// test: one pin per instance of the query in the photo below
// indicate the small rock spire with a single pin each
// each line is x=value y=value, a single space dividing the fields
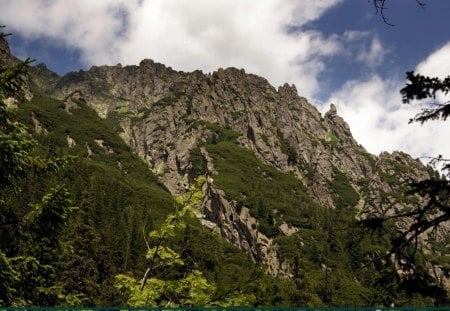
x=332 y=112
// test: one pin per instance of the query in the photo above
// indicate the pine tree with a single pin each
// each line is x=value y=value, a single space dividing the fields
x=27 y=274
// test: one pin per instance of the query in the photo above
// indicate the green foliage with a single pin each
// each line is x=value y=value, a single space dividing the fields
x=198 y=161
x=28 y=273
x=9 y=277
x=103 y=238
x=166 y=101
x=287 y=149
x=15 y=145
x=433 y=173
x=45 y=221
x=332 y=140
x=36 y=285
x=261 y=188
x=190 y=289
x=12 y=78
x=40 y=255
x=344 y=193
x=328 y=253
x=218 y=133
x=390 y=179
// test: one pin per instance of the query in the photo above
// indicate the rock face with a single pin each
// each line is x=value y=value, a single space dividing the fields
x=157 y=108
x=21 y=89
x=5 y=52
x=44 y=78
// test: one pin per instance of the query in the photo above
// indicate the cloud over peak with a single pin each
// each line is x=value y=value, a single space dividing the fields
x=186 y=35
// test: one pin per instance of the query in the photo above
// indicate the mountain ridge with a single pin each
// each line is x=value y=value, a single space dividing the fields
x=125 y=99
x=164 y=115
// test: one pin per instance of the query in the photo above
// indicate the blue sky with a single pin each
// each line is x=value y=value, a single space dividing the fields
x=416 y=33
x=336 y=51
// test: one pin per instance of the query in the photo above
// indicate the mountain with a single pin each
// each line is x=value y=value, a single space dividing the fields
x=287 y=187
x=179 y=122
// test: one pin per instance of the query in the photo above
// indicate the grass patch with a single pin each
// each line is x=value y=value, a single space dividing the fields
x=344 y=195
x=287 y=149
x=260 y=187
x=218 y=133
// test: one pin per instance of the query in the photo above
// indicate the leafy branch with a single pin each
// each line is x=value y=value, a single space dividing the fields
x=172 y=223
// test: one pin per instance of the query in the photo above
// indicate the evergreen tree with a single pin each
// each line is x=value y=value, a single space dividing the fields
x=27 y=275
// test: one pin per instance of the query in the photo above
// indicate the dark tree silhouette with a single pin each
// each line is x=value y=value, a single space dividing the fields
x=435 y=191
x=421 y=87
x=434 y=210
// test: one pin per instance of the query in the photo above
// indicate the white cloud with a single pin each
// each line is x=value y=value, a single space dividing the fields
x=374 y=54
x=379 y=121
x=354 y=35
x=437 y=64
x=186 y=35
x=206 y=34
x=91 y=26
x=365 y=47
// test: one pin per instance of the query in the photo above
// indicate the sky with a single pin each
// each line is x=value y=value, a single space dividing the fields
x=334 y=51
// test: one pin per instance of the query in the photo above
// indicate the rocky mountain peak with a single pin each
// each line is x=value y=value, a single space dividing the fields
x=166 y=115
x=288 y=91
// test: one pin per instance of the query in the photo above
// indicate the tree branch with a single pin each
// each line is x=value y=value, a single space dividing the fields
x=380 y=7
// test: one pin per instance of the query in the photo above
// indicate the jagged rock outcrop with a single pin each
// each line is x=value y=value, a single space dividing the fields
x=6 y=58
x=44 y=78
